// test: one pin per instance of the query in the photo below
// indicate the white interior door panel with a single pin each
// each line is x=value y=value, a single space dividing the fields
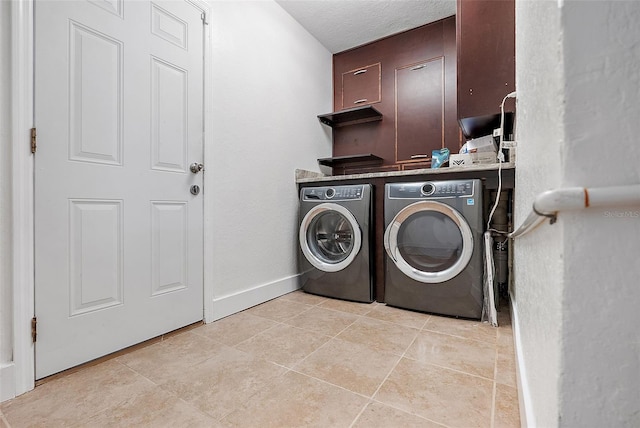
x=119 y=114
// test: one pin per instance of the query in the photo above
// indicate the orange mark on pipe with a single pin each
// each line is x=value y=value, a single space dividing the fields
x=586 y=198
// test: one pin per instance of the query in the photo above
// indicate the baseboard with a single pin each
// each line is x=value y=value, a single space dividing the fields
x=229 y=304
x=7 y=382
x=527 y=419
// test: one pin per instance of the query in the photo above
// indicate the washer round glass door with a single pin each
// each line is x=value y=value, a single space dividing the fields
x=429 y=241
x=330 y=237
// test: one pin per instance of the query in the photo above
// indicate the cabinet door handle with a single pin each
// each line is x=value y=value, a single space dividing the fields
x=419 y=156
x=364 y=100
x=418 y=67
x=364 y=70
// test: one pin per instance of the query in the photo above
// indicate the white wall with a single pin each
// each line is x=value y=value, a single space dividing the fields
x=271 y=80
x=576 y=294
x=6 y=296
x=600 y=379
x=538 y=256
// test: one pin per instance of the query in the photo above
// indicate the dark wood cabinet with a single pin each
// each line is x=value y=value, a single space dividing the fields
x=415 y=95
x=419 y=109
x=486 y=56
x=361 y=86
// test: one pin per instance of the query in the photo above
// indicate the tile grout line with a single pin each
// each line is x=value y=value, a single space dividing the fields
x=120 y=403
x=159 y=387
x=217 y=341
x=214 y=341
x=287 y=369
x=495 y=340
x=251 y=354
x=255 y=393
x=364 y=315
x=360 y=412
x=331 y=384
x=493 y=405
x=138 y=373
x=344 y=312
x=495 y=382
x=393 y=323
x=397 y=323
x=389 y=374
x=324 y=344
x=171 y=393
x=395 y=365
x=292 y=368
x=436 y=365
x=358 y=316
x=368 y=400
x=450 y=368
x=331 y=337
x=277 y=322
x=425 y=322
x=373 y=400
x=234 y=346
x=282 y=323
x=308 y=307
x=4 y=419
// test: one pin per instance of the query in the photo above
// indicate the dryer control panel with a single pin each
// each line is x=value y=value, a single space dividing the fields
x=335 y=193
x=431 y=189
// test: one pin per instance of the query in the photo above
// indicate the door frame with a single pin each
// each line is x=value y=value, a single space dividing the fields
x=22 y=374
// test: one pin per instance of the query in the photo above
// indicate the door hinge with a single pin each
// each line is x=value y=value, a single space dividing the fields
x=33 y=140
x=34 y=329
x=203 y=16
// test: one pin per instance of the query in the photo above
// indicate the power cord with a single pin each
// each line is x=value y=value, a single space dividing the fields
x=489 y=305
x=500 y=161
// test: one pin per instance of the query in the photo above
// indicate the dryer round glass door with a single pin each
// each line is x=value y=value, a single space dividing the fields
x=429 y=241
x=330 y=237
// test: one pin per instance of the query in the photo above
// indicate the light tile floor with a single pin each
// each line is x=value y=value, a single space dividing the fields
x=296 y=361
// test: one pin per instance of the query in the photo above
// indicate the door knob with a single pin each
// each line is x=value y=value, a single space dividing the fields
x=196 y=167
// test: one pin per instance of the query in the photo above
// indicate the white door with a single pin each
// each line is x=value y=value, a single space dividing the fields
x=119 y=116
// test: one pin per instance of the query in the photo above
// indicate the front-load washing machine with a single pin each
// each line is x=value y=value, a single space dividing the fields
x=433 y=244
x=335 y=237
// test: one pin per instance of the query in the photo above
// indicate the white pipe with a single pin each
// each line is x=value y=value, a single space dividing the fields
x=532 y=221
x=547 y=204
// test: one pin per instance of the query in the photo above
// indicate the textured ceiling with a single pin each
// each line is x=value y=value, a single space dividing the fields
x=343 y=24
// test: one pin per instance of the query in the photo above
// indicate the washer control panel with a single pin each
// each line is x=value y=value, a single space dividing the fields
x=333 y=193
x=431 y=189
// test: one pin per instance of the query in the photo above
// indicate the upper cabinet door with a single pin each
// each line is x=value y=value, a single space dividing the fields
x=361 y=86
x=486 y=56
x=419 y=109
x=416 y=105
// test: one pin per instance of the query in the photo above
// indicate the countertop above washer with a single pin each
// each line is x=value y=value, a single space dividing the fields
x=304 y=176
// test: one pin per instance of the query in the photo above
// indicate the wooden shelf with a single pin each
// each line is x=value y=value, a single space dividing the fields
x=351 y=116
x=341 y=161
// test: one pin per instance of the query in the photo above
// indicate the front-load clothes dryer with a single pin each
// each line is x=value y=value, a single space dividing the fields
x=335 y=239
x=433 y=245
